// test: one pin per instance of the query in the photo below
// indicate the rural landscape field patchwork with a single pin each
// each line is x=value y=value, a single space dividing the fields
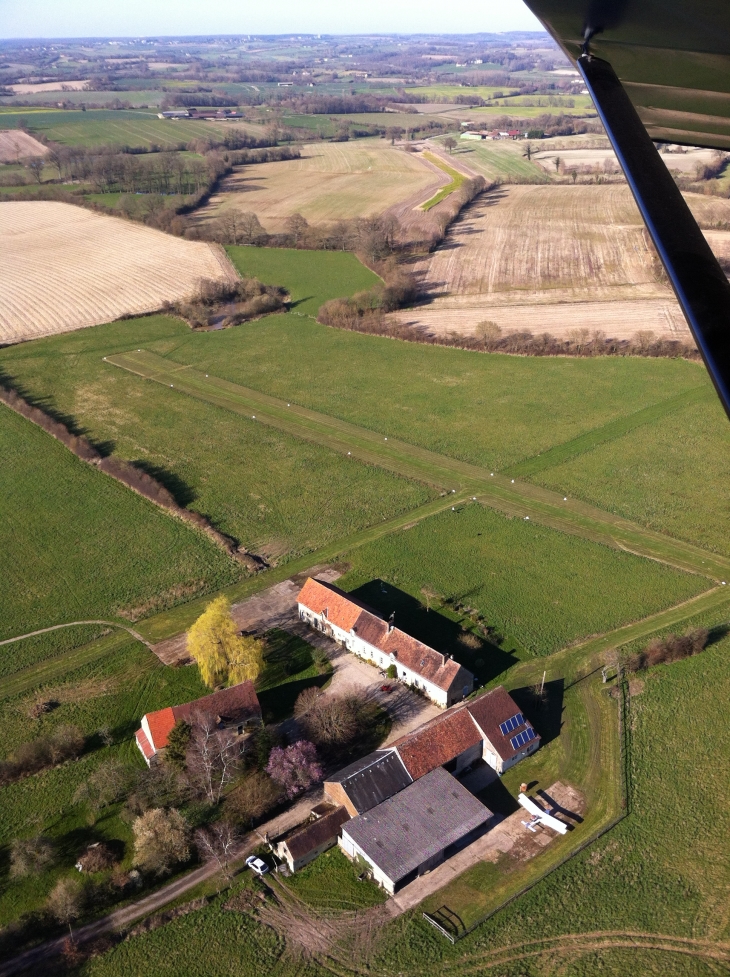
x=381 y=313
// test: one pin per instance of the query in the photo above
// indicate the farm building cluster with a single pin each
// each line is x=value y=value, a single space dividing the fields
x=403 y=809
x=406 y=807
x=363 y=631
x=491 y=134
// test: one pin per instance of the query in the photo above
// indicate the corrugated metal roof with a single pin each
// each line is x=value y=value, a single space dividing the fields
x=418 y=823
x=371 y=780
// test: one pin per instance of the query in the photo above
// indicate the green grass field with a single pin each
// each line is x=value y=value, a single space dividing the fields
x=310 y=277
x=77 y=545
x=665 y=475
x=543 y=589
x=502 y=160
x=274 y=493
x=97 y=127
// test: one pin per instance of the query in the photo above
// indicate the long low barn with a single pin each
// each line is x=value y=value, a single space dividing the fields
x=361 y=630
x=415 y=830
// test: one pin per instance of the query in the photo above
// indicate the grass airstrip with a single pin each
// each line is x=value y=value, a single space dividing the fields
x=523 y=587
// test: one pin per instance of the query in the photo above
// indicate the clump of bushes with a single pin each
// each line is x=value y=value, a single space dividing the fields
x=672 y=648
x=229 y=303
x=364 y=311
x=64 y=743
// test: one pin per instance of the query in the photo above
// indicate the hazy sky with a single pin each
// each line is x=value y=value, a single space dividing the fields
x=94 y=18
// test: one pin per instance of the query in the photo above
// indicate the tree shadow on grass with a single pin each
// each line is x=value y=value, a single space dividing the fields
x=183 y=493
x=545 y=711
x=278 y=703
x=307 y=298
x=482 y=657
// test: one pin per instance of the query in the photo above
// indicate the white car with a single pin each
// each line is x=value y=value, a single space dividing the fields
x=257 y=865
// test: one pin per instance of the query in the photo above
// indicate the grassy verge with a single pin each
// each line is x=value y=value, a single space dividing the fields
x=457 y=179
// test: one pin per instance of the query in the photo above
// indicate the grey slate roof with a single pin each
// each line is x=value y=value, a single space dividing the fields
x=411 y=827
x=373 y=779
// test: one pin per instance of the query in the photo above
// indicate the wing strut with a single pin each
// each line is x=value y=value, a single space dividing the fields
x=699 y=282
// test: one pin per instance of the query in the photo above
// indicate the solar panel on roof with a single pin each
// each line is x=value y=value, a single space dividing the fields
x=521 y=738
x=512 y=723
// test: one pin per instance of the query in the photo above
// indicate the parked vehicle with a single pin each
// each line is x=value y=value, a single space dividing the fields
x=386 y=688
x=257 y=865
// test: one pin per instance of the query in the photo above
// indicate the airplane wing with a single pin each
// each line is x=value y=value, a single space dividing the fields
x=547 y=819
x=660 y=70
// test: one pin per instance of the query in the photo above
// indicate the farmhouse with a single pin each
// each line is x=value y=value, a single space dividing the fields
x=415 y=830
x=362 y=630
x=304 y=844
x=489 y=729
x=236 y=709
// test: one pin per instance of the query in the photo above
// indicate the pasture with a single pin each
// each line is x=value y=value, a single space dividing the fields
x=332 y=181
x=109 y=127
x=66 y=268
x=310 y=277
x=275 y=494
x=501 y=161
x=501 y=567
x=78 y=545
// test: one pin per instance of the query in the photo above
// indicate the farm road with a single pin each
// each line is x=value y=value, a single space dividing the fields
x=73 y=624
x=39 y=956
x=498 y=490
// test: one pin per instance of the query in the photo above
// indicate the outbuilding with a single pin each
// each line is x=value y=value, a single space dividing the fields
x=415 y=830
x=304 y=844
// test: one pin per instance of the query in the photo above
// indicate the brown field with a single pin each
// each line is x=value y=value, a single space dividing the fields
x=50 y=86
x=65 y=268
x=332 y=181
x=682 y=162
x=16 y=145
x=554 y=258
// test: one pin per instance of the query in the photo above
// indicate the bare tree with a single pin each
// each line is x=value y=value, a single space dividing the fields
x=254 y=798
x=214 y=756
x=218 y=843
x=64 y=902
x=250 y=227
x=487 y=332
x=557 y=163
x=330 y=719
x=29 y=856
x=35 y=164
x=450 y=144
x=161 y=840
x=297 y=226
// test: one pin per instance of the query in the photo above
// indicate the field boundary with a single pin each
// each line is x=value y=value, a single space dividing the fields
x=561 y=453
x=457 y=179
x=495 y=489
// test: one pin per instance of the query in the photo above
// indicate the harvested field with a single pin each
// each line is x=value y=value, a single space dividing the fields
x=50 y=86
x=685 y=163
x=66 y=268
x=555 y=258
x=332 y=181
x=16 y=145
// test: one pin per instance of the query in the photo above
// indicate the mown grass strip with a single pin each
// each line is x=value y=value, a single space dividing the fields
x=169 y=623
x=457 y=179
x=494 y=489
x=59 y=666
x=609 y=432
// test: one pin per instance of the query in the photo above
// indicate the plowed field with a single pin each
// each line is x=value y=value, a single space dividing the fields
x=16 y=144
x=65 y=267
x=554 y=258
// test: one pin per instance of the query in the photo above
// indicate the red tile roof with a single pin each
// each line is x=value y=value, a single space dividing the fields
x=347 y=613
x=341 y=609
x=437 y=742
x=144 y=744
x=239 y=704
x=160 y=724
x=491 y=709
